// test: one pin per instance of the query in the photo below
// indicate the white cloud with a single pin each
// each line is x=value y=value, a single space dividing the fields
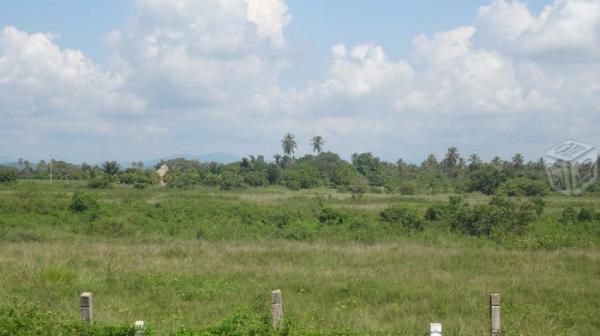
x=199 y=54
x=39 y=78
x=568 y=30
x=184 y=70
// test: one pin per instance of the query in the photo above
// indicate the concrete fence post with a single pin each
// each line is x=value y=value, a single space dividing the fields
x=139 y=328
x=277 y=309
x=86 y=307
x=435 y=329
x=496 y=328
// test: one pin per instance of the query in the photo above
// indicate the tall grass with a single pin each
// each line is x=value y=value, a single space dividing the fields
x=203 y=262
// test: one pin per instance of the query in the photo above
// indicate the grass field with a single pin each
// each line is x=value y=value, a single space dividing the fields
x=192 y=258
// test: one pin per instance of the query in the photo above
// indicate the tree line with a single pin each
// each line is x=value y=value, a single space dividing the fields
x=364 y=172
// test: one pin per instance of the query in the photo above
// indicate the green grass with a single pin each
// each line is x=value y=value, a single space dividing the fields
x=194 y=258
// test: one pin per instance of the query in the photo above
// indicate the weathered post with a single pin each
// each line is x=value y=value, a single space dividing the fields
x=435 y=329
x=85 y=307
x=496 y=329
x=139 y=328
x=277 y=309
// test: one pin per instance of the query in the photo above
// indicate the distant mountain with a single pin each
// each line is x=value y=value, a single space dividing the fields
x=211 y=157
x=8 y=162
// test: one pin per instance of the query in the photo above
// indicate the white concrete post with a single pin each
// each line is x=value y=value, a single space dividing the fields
x=85 y=307
x=139 y=328
x=496 y=329
x=435 y=329
x=277 y=308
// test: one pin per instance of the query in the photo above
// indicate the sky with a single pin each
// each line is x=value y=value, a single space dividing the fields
x=145 y=79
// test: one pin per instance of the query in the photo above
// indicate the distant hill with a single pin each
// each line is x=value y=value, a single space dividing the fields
x=211 y=157
x=8 y=162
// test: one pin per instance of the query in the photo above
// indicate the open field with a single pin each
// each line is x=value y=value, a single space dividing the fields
x=191 y=258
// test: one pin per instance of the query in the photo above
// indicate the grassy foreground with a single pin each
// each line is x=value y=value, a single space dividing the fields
x=173 y=265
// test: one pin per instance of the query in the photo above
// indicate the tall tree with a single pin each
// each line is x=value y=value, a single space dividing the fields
x=317 y=143
x=474 y=162
x=431 y=163
x=451 y=162
x=518 y=161
x=111 y=168
x=288 y=143
x=497 y=161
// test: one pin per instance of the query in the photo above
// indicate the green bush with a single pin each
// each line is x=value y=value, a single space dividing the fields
x=30 y=320
x=407 y=218
x=184 y=180
x=569 y=216
x=331 y=216
x=501 y=216
x=585 y=215
x=256 y=178
x=522 y=186
x=301 y=176
x=230 y=180
x=81 y=202
x=8 y=174
x=358 y=185
x=99 y=183
x=487 y=180
x=436 y=213
x=407 y=188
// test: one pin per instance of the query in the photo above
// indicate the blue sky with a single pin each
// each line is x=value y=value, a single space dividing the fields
x=398 y=78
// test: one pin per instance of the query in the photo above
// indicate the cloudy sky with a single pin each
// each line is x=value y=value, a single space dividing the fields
x=151 y=78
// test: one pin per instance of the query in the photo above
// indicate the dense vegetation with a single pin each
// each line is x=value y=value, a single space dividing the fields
x=365 y=172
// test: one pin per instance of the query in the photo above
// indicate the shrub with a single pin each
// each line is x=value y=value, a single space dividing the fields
x=401 y=216
x=407 y=188
x=358 y=185
x=82 y=202
x=569 y=216
x=331 y=216
x=8 y=174
x=256 y=178
x=540 y=204
x=301 y=176
x=498 y=217
x=24 y=319
x=230 y=180
x=585 y=215
x=523 y=187
x=99 y=183
x=486 y=180
x=184 y=180
x=435 y=212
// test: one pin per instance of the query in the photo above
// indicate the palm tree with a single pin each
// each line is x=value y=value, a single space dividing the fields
x=317 y=143
x=288 y=144
x=518 y=161
x=431 y=163
x=111 y=168
x=497 y=161
x=277 y=158
x=474 y=162
x=451 y=161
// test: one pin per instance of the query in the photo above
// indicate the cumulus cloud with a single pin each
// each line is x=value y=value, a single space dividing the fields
x=208 y=71
x=566 y=30
x=37 y=77
x=493 y=80
x=199 y=54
